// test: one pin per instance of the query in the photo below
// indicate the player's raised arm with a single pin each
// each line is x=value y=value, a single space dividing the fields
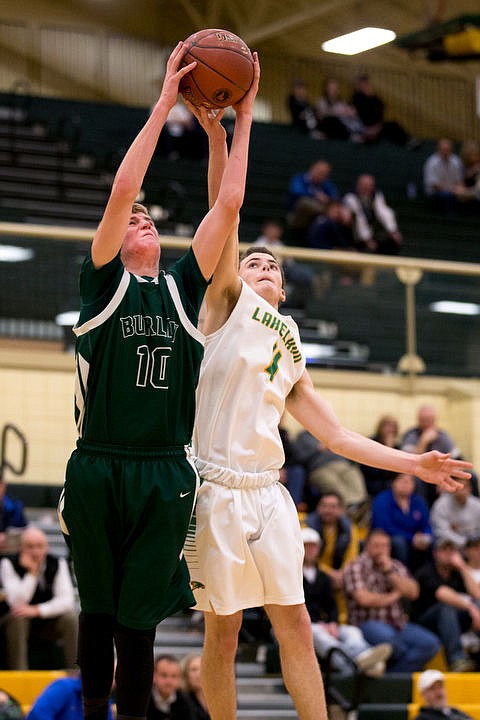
x=317 y=416
x=131 y=172
x=221 y=219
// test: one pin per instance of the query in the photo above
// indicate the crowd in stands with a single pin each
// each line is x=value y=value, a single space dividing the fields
x=400 y=559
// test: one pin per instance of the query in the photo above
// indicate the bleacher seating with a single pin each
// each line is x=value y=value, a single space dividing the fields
x=25 y=686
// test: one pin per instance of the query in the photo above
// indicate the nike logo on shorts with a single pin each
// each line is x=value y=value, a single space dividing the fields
x=182 y=494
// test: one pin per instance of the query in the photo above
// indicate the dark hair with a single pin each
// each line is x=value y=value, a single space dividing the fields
x=168 y=657
x=266 y=251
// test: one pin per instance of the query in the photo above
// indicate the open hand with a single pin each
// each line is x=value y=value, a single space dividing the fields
x=440 y=469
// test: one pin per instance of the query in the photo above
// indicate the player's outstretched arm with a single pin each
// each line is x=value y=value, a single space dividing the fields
x=222 y=218
x=131 y=172
x=317 y=416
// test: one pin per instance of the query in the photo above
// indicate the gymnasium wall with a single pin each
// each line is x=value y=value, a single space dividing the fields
x=36 y=388
x=60 y=56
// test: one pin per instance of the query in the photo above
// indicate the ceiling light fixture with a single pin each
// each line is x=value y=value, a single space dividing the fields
x=455 y=308
x=359 y=41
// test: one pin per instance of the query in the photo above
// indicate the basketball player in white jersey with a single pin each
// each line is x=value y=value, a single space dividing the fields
x=248 y=548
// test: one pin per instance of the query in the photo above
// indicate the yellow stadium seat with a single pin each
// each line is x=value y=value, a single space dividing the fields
x=26 y=685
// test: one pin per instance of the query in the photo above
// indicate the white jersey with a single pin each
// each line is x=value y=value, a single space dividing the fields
x=249 y=367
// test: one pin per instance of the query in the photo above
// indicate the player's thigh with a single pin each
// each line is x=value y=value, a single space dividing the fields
x=87 y=518
x=152 y=558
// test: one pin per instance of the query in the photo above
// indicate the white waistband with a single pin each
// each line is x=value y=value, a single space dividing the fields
x=231 y=478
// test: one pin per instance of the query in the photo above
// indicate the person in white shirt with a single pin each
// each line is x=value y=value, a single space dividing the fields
x=39 y=591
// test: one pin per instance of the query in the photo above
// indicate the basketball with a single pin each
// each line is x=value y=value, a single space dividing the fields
x=224 y=70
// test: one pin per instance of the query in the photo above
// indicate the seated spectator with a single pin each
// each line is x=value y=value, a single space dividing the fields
x=471 y=551
x=332 y=230
x=192 y=685
x=337 y=119
x=293 y=474
x=371 y=112
x=431 y=685
x=470 y=157
x=302 y=112
x=456 y=516
x=426 y=436
x=386 y=433
x=298 y=275
x=10 y=708
x=327 y=632
x=309 y=193
x=447 y=602
x=404 y=516
x=443 y=177
x=330 y=472
x=39 y=591
x=375 y=586
x=340 y=542
x=61 y=700
x=167 y=699
x=375 y=226
x=12 y=515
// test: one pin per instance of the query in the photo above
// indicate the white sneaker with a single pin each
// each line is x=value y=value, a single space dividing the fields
x=370 y=657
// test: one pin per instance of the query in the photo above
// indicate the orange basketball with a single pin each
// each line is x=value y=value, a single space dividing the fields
x=224 y=70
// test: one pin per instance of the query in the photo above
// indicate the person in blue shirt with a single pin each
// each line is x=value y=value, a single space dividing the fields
x=308 y=195
x=404 y=515
x=11 y=513
x=61 y=700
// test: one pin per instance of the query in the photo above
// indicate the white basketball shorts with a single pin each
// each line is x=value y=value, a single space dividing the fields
x=247 y=550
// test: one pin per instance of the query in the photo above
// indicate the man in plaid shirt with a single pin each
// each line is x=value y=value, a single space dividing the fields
x=375 y=585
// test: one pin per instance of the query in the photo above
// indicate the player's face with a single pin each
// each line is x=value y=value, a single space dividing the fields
x=141 y=236
x=262 y=273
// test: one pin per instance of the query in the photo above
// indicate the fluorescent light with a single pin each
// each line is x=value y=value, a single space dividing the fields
x=455 y=308
x=11 y=253
x=359 y=41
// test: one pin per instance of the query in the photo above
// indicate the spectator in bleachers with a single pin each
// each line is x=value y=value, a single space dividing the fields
x=375 y=227
x=39 y=591
x=340 y=539
x=431 y=685
x=331 y=230
x=192 y=685
x=456 y=516
x=330 y=472
x=470 y=157
x=404 y=515
x=376 y=586
x=471 y=550
x=302 y=112
x=443 y=176
x=167 y=700
x=337 y=118
x=371 y=111
x=385 y=433
x=447 y=603
x=12 y=515
x=61 y=700
x=426 y=436
x=309 y=193
x=10 y=708
x=298 y=275
x=327 y=631
x=293 y=474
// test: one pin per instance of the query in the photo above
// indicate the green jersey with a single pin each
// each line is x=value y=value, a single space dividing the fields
x=138 y=354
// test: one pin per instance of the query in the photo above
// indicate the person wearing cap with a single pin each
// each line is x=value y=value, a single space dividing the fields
x=327 y=632
x=448 y=602
x=431 y=685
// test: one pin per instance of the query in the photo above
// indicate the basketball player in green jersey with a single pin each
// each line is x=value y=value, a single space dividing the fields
x=130 y=486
